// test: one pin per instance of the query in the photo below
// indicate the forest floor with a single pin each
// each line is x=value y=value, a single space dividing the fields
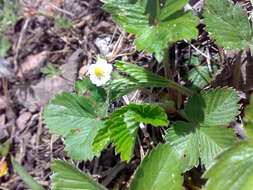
x=42 y=37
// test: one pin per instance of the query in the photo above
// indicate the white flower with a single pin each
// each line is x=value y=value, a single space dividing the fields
x=100 y=72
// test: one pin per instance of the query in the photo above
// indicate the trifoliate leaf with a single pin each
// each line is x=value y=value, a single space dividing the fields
x=248 y=118
x=216 y=107
x=155 y=24
x=194 y=142
x=228 y=24
x=233 y=169
x=73 y=117
x=67 y=176
x=121 y=128
x=160 y=170
x=203 y=137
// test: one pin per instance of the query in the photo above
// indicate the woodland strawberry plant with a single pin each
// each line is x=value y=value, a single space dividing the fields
x=199 y=137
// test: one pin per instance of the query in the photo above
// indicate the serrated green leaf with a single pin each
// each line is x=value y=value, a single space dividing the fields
x=140 y=78
x=228 y=24
x=202 y=137
x=194 y=142
x=160 y=170
x=248 y=118
x=95 y=94
x=233 y=169
x=73 y=117
x=199 y=76
x=155 y=24
x=85 y=86
x=68 y=177
x=172 y=6
x=79 y=143
x=215 y=107
x=121 y=128
x=148 y=114
x=68 y=112
x=25 y=176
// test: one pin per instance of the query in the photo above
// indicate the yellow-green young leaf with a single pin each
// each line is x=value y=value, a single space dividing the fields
x=160 y=170
x=156 y=24
x=228 y=24
x=73 y=117
x=248 y=118
x=233 y=169
x=68 y=177
x=121 y=128
x=215 y=107
x=194 y=142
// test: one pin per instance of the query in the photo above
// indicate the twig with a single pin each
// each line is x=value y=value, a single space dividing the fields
x=39 y=131
x=20 y=41
x=113 y=173
x=194 y=47
x=61 y=10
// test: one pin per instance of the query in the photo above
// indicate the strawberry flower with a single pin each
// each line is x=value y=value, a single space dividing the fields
x=100 y=72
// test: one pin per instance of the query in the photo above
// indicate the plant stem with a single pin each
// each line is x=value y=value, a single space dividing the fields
x=168 y=75
x=166 y=65
x=237 y=70
x=179 y=88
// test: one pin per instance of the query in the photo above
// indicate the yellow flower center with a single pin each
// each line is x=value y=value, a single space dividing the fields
x=99 y=72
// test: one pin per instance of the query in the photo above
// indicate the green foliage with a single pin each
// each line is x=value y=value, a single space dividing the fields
x=5 y=46
x=233 y=169
x=121 y=128
x=138 y=78
x=50 y=71
x=228 y=24
x=160 y=170
x=248 y=118
x=62 y=23
x=96 y=94
x=155 y=24
x=199 y=75
x=73 y=117
x=5 y=148
x=215 y=107
x=203 y=137
x=196 y=142
x=25 y=176
x=7 y=13
x=67 y=176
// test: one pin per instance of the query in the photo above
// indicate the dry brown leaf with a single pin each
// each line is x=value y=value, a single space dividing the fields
x=23 y=119
x=40 y=93
x=32 y=65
